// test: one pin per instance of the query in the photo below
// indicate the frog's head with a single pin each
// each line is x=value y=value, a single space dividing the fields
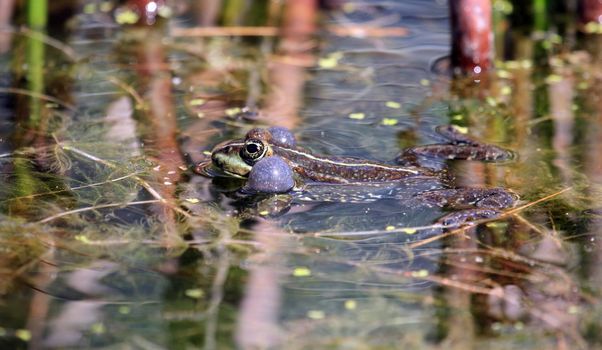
x=237 y=157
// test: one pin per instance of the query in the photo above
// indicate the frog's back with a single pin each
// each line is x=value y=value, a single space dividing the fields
x=333 y=169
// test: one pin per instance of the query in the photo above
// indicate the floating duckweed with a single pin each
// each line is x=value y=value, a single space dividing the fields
x=165 y=11
x=390 y=228
x=264 y=213
x=389 y=121
x=350 y=304
x=89 y=8
x=358 y=116
x=504 y=7
x=192 y=200
x=82 y=239
x=393 y=104
x=546 y=44
x=553 y=78
x=316 y=314
x=409 y=231
x=98 y=328
x=420 y=273
x=457 y=117
x=126 y=17
x=348 y=7
x=526 y=64
x=301 y=272
x=504 y=74
x=207 y=153
x=593 y=27
x=425 y=82
x=195 y=293
x=512 y=64
x=197 y=102
x=23 y=334
x=106 y=6
x=230 y=112
x=496 y=326
x=461 y=129
x=331 y=60
x=124 y=310
x=495 y=224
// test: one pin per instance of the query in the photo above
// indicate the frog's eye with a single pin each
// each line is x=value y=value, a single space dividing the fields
x=252 y=151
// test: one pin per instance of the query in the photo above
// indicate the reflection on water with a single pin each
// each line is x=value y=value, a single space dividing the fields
x=110 y=241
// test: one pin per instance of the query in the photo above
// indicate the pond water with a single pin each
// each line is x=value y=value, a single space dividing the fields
x=110 y=240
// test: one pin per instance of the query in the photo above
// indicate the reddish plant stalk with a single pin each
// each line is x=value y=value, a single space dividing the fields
x=591 y=11
x=472 y=35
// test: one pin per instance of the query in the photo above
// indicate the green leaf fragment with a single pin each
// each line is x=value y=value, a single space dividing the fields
x=389 y=121
x=316 y=314
x=126 y=17
x=357 y=116
x=420 y=273
x=301 y=272
x=195 y=293
x=23 y=334
x=197 y=102
x=393 y=104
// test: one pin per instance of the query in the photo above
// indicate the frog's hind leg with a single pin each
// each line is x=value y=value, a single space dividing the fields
x=465 y=198
x=458 y=147
x=472 y=203
x=468 y=216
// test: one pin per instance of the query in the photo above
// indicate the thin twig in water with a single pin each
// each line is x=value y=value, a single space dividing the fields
x=37 y=95
x=94 y=207
x=130 y=90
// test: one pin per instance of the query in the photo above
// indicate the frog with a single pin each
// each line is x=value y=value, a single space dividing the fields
x=271 y=162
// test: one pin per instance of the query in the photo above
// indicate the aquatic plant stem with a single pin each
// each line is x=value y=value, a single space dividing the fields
x=472 y=35
x=540 y=12
x=37 y=13
x=36 y=19
x=140 y=180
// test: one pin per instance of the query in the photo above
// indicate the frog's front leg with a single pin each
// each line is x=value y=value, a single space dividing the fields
x=471 y=203
x=458 y=146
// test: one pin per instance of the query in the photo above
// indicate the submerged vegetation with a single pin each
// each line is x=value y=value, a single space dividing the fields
x=110 y=240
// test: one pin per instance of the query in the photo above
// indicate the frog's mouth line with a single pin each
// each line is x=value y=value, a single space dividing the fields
x=208 y=169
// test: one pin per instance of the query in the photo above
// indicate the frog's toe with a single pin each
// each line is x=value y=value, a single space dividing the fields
x=282 y=136
x=497 y=198
x=463 y=217
x=271 y=175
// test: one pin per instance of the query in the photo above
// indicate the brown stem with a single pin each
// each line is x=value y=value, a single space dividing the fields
x=472 y=35
x=591 y=11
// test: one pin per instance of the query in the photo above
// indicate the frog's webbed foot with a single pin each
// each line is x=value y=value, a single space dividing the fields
x=463 y=198
x=463 y=217
x=473 y=203
x=458 y=147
